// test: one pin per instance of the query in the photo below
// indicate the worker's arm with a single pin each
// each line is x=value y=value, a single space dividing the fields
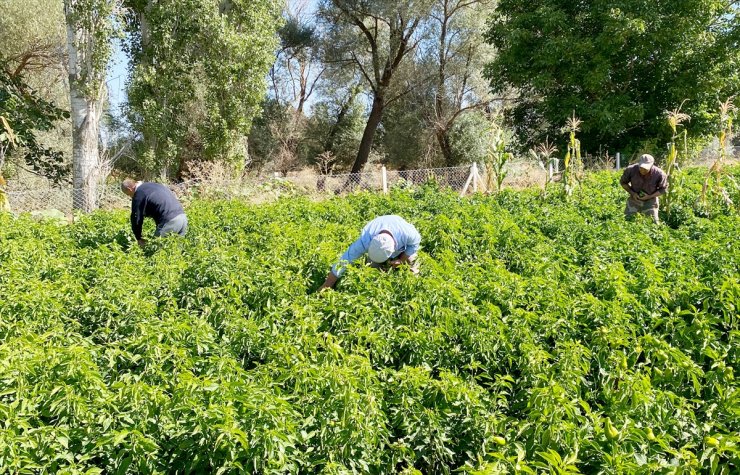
x=330 y=281
x=137 y=216
x=633 y=194
x=354 y=252
x=627 y=185
x=652 y=195
x=413 y=243
x=660 y=190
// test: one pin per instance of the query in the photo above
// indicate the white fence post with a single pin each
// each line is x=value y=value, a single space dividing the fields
x=475 y=177
x=619 y=157
x=467 y=182
x=549 y=169
x=384 y=175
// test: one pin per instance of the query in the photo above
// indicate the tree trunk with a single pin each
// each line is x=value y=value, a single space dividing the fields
x=85 y=156
x=445 y=146
x=366 y=144
x=86 y=123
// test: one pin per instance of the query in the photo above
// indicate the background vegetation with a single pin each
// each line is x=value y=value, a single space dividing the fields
x=337 y=84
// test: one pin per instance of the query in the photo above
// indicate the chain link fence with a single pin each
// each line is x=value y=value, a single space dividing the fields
x=39 y=197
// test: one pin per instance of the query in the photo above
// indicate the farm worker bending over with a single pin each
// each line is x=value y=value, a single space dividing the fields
x=155 y=201
x=645 y=183
x=389 y=241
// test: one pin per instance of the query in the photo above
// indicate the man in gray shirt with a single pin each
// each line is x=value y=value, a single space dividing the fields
x=645 y=183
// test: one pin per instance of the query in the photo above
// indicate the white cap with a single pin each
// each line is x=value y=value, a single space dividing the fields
x=646 y=162
x=381 y=248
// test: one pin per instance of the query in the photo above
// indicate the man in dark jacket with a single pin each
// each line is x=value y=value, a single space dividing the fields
x=155 y=201
x=645 y=183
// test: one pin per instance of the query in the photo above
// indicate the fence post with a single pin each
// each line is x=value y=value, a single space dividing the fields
x=619 y=157
x=384 y=178
x=557 y=164
x=549 y=169
x=475 y=177
x=467 y=182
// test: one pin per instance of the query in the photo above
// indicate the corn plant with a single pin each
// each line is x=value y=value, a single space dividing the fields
x=496 y=158
x=543 y=155
x=674 y=118
x=572 y=164
x=713 y=178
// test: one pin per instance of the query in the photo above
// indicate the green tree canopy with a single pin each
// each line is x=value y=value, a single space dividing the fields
x=198 y=75
x=23 y=113
x=619 y=64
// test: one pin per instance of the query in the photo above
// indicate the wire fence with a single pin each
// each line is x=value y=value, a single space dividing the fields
x=43 y=197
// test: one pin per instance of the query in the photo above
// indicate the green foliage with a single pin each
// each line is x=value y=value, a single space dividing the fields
x=266 y=131
x=497 y=156
x=467 y=137
x=618 y=64
x=91 y=28
x=23 y=114
x=335 y=126
x=198 y=76
x=541 y=336
x=405 y=134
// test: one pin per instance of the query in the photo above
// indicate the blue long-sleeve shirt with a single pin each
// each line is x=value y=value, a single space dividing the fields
x=405 y=235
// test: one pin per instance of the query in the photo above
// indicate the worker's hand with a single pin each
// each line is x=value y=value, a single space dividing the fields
x=395 y=262
x=329 y=283
x=142 y=242
x=635 y=196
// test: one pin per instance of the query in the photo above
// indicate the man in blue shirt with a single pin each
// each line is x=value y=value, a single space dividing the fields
x=387 y=240
x=156 y=201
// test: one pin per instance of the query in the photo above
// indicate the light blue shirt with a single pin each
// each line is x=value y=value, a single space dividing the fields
x=405 y=235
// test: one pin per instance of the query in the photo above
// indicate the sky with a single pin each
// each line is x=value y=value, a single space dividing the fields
x=116 y=80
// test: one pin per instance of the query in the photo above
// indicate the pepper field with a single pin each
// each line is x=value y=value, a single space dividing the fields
x=542 y=336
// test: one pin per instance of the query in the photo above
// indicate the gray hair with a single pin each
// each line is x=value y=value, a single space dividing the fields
x=128 y=184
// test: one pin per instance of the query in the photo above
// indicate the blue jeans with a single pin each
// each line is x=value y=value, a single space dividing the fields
x=176 y=225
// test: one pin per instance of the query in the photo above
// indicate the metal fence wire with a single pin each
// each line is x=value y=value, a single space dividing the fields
x=40 y=197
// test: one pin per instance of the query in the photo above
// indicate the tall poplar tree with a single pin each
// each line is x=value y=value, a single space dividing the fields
x=90 y=29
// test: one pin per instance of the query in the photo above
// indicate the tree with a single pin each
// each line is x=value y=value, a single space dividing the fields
x=90 y=30
x=31 y=58
x=408 y=137
x=617 y=64
x=22 y=115
x=31 y=37
x=198 y=76
x=335 y=128
x=293 y=78
x=387 y=32
x=459 y=55
x=297 y=68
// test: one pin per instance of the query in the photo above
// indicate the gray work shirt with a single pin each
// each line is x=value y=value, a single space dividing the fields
x=655 y=180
